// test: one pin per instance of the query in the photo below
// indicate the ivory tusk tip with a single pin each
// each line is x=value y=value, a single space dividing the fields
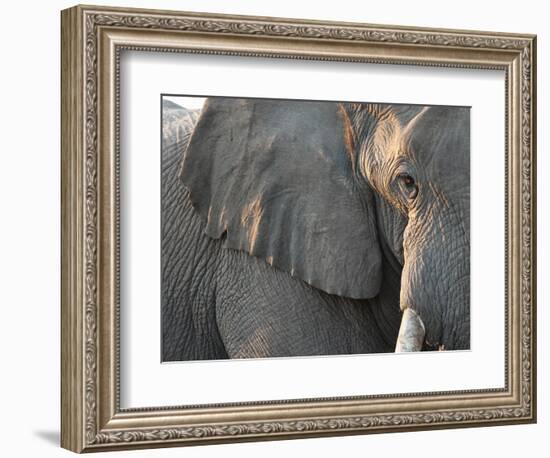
x=411 y=332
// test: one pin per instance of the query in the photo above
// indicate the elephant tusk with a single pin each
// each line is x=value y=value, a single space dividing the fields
x=411 y=333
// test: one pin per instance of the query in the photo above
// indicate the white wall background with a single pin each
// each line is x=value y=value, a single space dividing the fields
x=29 y=233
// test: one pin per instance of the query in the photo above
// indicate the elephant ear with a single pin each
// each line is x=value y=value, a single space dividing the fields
x=276 y=178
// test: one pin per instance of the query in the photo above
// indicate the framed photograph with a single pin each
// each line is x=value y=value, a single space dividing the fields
x=277 y=228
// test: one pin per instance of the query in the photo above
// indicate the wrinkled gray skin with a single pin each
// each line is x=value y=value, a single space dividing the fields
x=305 y=228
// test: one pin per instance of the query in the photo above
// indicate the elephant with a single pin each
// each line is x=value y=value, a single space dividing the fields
x=301 y=228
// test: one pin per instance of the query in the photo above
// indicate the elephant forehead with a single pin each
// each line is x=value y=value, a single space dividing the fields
x=439 y=143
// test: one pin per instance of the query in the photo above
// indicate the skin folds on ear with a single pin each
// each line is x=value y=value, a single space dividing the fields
x=274 y=178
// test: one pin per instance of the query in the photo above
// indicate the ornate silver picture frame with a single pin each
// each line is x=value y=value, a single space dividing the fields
x=93 y=41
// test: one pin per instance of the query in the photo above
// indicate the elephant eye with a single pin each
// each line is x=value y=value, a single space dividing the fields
x=408 y=185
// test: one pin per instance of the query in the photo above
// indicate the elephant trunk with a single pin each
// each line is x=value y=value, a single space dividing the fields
x=411 y=333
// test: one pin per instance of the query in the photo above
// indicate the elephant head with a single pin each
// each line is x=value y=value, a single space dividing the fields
x=417 y=162
x=329 y=192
